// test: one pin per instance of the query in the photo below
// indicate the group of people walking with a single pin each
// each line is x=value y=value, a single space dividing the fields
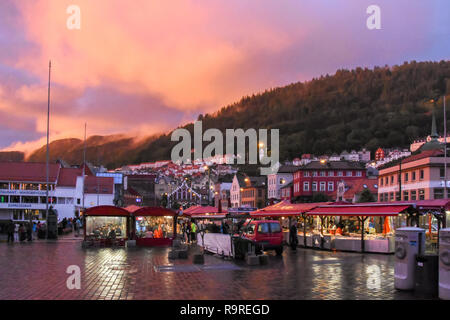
x=21 y=231
x=189 y=229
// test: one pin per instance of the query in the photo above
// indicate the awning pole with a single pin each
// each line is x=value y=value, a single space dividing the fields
x=304 y=229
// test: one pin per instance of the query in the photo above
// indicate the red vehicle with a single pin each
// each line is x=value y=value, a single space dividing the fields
x=266 y=234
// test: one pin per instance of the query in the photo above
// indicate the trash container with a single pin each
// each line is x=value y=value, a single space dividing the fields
x=242 y=246
x=409 y=242
x=444 y=264
x=426 y=276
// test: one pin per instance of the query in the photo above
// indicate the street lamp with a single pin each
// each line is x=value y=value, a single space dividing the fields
x=209 y=183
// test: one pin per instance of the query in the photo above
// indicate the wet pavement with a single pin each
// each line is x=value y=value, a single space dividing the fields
x=38 y=271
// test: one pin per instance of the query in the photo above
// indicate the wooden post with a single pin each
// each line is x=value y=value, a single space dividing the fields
x=361 y=224
x=304 y=229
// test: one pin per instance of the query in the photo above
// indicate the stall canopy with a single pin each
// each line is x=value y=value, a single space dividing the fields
x=208 y=216
x=153 y=211
x=285 y=209
x=107 y=211
x=200 y=210
x=437 y=204
x=372 y=209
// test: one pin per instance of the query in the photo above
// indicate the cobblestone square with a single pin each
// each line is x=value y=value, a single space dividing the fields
x=37 y=270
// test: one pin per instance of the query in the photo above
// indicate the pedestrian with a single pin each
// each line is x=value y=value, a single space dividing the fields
x=22 y=233
x=188 y=232
x=16 y=232
x=183 y=229
x=10 y=230
x=293 y=239
x=76 y=227
x=29 y=232
x=193 y=231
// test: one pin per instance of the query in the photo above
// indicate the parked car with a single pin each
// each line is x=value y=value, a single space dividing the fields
x=266 y=234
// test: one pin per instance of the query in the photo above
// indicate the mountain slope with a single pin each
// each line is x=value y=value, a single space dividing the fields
x=110 y=151
x=383 y=107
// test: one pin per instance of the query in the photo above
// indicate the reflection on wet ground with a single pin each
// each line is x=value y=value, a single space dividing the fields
x=38 y=271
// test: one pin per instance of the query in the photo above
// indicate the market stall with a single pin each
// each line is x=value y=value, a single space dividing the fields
x=106 y=225
x=154 y=226
x=285 y=211
x=434 y=217
x=364 y=227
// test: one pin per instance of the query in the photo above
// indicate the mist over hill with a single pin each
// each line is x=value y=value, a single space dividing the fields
x=352 y=109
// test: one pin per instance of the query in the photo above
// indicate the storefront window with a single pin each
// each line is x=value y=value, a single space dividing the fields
x=30 y=186
x=154 y=227
x=3 y=199
x=17 y=214
x=30 y=199
x=421 y=194
x=405 y=195
x=4 y=185
x=15 y=186
x=15 y=199
x=105 y=227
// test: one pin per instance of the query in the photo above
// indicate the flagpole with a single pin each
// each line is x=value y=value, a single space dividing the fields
x=84 y=161
x=48 y=154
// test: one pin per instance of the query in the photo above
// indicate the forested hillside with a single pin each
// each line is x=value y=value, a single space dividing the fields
x=386 y=106
x=352 y=109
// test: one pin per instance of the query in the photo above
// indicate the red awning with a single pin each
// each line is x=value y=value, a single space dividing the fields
x=153 y=211
x=107 y=211
x=436 y=204
x=208 y=216
x=359 y=210
x=285 y=209
x=200 y=210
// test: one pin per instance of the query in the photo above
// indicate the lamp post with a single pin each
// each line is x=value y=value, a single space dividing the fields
x=48 y=152
x=209 y=183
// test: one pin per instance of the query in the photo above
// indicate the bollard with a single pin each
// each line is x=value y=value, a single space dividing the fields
x=263 y=259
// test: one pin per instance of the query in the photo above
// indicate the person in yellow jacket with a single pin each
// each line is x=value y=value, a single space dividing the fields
x=193 y=231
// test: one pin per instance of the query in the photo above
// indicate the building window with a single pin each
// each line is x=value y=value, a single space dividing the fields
x=3 y=199
x=305 y=186
x=331 y=173
x=438 y=193
x=4 y=185
x=306 y=174
x=386 y=197
x=392 y=179
x=78 y=201
x=314 y=186
x=322 y=173
x=406 y=177
x=386 y=181
x=421 y=176
x=398 y=196
x=322 y=186
x=358 y=173
x=405 y=195
x=413 y=176
x=441 y=173
x=413 y=195
x=349 y=173
x=391 y=196
x=330 y=186
x=314 y=173
x=421 y=194
x=340 y=173
x=381 y=181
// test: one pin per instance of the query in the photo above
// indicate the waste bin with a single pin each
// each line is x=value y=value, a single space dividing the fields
x=426 y=276
x=444 y=264
x=242 y=246
x=409 y=242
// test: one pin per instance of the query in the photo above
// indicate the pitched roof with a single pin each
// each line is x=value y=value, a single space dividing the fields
x=287 y=169
x=105 y=185
x=68 y=177
x=333 y=165
x=28 y=171
x=358 y=186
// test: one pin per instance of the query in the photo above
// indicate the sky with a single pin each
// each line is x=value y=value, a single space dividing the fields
x=147 y=66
